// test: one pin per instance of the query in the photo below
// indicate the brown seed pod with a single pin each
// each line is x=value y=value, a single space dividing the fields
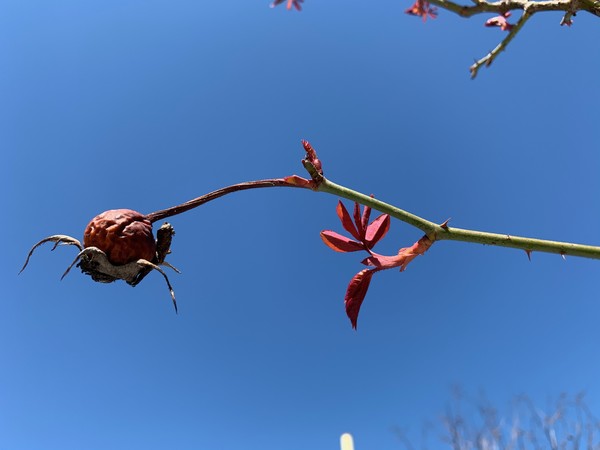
x=123 y=234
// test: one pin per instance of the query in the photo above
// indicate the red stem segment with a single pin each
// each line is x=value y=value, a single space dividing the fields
x=174 y=210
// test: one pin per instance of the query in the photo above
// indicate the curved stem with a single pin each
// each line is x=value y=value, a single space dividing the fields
x=174 y=210
x=431 y=229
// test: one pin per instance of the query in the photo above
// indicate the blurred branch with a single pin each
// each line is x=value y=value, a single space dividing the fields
x=423 y=9
x=482 y=6
x=567 y=424
x=529 y=8
x=491 y=56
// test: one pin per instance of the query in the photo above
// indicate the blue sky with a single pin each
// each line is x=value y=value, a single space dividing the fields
x=145 y=104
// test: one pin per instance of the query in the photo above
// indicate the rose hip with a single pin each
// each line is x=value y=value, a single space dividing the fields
x=123 y=234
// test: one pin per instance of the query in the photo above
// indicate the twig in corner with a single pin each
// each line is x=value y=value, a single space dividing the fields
x=491 y=56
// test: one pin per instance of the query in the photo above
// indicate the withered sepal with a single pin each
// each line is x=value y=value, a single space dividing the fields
x=94 y=262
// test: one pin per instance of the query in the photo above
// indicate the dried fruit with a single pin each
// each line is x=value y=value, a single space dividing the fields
x=119 y=245
x=123 y=234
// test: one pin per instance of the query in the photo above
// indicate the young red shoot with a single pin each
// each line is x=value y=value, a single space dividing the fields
x=500 y=21
x=423 y=9
x=364 y=237
x=290 y=3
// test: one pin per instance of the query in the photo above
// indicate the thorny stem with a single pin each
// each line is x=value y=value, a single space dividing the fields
x=439 y=232
x=491 y=56
x=482 y=6
x=422 y=224
x=523 y=243
x=431 y=229
x=529 y=8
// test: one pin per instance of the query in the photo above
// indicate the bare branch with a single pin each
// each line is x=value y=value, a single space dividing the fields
x=423 y=9
x=491 y=56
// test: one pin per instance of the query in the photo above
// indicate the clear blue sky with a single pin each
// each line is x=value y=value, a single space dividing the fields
x=144 y=104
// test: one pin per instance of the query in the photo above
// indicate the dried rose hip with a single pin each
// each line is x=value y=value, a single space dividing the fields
x=119 y=244
x=123 y=234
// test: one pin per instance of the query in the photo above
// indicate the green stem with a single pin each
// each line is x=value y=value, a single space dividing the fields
x=523 y=243
x=422 y=224
x=439 y=232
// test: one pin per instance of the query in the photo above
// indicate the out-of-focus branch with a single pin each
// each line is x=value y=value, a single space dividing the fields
x=529 y=8
x=482 y=6
x=424 y=9
x=503 y=8
x=491 y=56
x=478 y=425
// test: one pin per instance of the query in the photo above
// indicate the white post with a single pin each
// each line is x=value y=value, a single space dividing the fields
x=346 y=442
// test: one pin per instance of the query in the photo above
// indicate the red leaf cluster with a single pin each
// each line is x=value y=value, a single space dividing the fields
x=422 y=8
x=500 y=21
x=366 y=235
x=290 y=3
x=356 y=292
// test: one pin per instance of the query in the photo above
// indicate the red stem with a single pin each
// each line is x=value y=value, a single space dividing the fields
x=174 y=210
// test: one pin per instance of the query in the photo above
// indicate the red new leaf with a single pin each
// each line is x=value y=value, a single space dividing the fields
x=402 y=259
x=365 y=218
x=311 y=154
x=500 y=21
x=417 y=249
x=290 y=3
x=355 y=294
x=358 y=221
x=367 y=235
x=422 y=9
x=340 y=243
x=295 y=180
x=377 y=230
x=346 y=220
x=383 y=261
